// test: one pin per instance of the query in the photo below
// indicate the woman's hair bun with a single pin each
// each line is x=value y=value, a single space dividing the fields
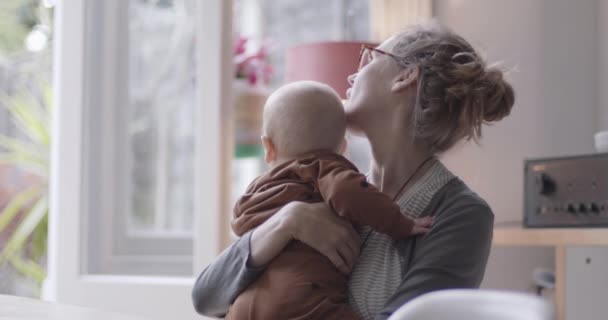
x=497 y=96
x=457 y=92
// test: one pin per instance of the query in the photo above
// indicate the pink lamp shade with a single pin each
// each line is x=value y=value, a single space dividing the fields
x=327 y=62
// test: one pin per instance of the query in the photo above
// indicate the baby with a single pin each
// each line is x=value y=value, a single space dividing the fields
x=304 y=128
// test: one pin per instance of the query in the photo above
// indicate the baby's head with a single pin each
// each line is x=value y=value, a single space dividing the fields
x=301 y=117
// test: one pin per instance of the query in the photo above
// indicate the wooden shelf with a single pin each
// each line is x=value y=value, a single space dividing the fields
x=513 y=234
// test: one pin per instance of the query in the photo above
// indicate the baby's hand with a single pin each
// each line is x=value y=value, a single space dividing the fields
x=422 y=225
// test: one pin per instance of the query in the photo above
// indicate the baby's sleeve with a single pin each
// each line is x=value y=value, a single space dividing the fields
x=349 y=194
x=255 y=207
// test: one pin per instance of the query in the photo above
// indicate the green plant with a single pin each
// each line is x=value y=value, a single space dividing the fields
x=28 y=210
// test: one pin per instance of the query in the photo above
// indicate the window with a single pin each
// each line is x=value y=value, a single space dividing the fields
x=140 y=92
x=94 y=260
x=139 y=175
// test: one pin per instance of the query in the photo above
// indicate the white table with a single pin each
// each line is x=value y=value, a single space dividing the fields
x=19 y=308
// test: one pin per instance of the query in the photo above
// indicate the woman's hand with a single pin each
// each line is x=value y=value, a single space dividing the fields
x=316 y=225
x=312 y=223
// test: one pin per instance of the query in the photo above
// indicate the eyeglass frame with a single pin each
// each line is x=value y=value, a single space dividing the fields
x=368 y=47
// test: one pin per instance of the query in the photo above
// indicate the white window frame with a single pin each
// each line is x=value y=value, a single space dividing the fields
x=68 y=278
x=106 y=178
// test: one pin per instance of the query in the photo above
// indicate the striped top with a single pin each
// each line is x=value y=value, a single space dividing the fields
x=381 y=268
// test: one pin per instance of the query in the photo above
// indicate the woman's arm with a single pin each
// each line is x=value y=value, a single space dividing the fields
x=316 y=225
x=452 y=255
x=243 y=262
x=221 y=282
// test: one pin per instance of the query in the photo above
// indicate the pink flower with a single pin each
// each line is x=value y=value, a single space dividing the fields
x=252 y=66
x=239 y=45
x=252 y=78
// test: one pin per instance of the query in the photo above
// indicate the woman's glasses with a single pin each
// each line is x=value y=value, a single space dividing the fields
x=365 y=56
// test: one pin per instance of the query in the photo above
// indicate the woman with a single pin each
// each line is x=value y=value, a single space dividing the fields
x=414 y=97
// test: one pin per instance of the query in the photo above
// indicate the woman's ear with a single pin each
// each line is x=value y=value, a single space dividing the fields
x=270 y=152
x=406 y=78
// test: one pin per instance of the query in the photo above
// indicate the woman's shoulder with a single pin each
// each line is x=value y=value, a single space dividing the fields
x=456 y=198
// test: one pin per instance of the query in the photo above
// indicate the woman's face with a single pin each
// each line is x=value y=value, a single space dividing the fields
x=369 y=98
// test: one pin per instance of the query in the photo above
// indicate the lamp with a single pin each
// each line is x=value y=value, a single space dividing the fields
x=327 y=62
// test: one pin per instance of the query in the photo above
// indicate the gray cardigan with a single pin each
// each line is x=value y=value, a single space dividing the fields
x=452 y=255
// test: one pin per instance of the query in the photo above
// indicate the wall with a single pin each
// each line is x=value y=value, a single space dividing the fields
x=549 y=48
x=602 y=74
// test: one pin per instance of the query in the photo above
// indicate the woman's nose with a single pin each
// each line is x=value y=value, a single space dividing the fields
x=351 y=78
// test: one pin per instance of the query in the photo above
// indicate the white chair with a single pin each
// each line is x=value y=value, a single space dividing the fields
x=470 y=304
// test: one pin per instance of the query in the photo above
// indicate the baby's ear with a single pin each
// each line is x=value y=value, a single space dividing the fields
x=270 y=152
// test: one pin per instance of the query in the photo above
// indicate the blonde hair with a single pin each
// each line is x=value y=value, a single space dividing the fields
x=457 y=93
x=304 y=116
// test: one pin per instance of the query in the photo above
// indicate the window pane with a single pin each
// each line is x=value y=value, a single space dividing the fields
x=140 y=98
x=161 y=104
x=288 y=23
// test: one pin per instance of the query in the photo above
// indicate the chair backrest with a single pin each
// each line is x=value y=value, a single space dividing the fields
x=470 y=304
